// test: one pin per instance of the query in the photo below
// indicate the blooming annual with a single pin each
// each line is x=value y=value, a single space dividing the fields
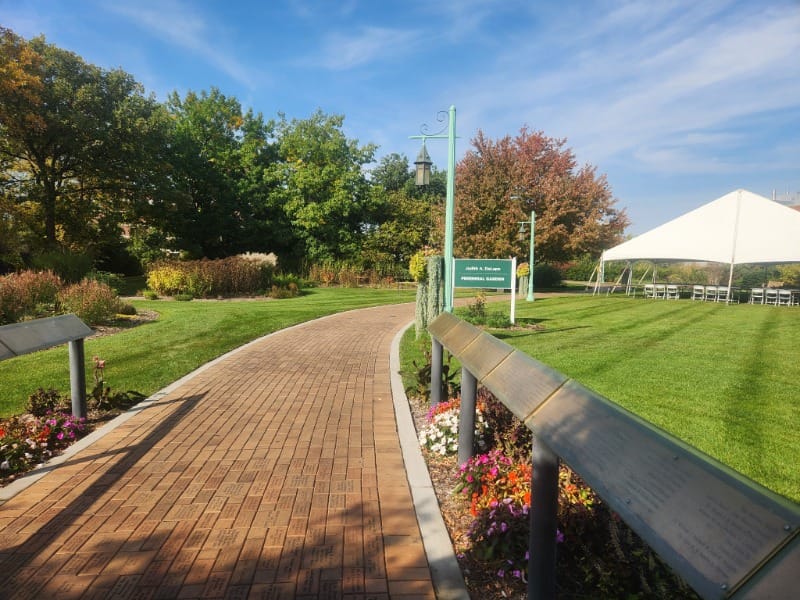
x=440 y=435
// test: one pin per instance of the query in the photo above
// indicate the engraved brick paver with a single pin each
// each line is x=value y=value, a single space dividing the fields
x=274 y=473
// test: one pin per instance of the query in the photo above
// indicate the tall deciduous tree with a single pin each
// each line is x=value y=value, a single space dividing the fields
x=322 y=187
x=499 y=183
x=218 y=150
x=405 y=216
x=75 y=140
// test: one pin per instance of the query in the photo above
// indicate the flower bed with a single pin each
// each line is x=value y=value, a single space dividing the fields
x=486 y=502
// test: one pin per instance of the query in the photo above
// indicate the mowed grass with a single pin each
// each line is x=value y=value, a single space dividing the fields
x=725 y=379
x=186 y=335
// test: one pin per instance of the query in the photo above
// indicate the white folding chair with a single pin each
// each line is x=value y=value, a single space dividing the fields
x=757 y=296
x=698 y=292
x=785 y=297
x=672 y=292
x=710 y=293
x=722 y=293
x=771 y=296
x=649 y=290
x=661 y=291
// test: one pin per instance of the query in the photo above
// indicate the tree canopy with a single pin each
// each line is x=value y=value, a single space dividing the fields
x=499 y=183
x=86 y=155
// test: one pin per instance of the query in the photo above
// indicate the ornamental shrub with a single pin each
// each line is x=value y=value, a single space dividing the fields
x=91 y=301
x=42 y=402
x=27 y=294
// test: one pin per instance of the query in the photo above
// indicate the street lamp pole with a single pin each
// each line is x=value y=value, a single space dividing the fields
x=522 y=224
x=449 y=202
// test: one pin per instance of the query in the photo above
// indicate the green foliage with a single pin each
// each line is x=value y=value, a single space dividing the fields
x=322 y=189
x=112 y=280
x=582 y=268
x=184 y=297
x=546 y=275
x=91 y=301
x=126 y=308
x=418 y=377
x=231 y=276
x=42 y=402
x=71 y=267
x=476 y=312
x=418 y=266
x=150 y=295
x=86 y=143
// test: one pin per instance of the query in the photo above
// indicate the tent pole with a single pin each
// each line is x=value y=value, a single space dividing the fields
x=735 y=237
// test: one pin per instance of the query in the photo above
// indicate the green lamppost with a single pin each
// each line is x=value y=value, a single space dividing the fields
x=423 y=165
x=522 y=232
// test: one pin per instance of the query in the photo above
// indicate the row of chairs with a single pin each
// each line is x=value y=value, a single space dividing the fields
x=711 y=293
x=661 y=290
x=776 y=297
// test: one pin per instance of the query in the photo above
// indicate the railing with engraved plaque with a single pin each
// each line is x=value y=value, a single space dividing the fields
x=727 y=536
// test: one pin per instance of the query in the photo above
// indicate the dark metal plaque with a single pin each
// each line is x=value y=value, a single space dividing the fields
x=483 y=355
x=777 y=579
x=22 y=338
x=709 y=523
x=523 y=383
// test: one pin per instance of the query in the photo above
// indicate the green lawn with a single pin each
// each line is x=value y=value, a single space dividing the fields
x=185 y=336
x=722 y=378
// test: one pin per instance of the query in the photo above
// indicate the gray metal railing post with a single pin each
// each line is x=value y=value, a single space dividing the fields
x=544 y=523
x=77 y=378
x=466 y=419
x=436 y=372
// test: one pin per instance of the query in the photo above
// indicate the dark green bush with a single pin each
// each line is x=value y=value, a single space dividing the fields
x=70 y=267
x=546 y=275
x=126 y=309
x=42 y=402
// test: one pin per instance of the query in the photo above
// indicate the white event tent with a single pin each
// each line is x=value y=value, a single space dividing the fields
x=739 y=228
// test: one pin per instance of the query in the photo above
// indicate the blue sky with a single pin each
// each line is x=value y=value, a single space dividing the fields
x=677 y=101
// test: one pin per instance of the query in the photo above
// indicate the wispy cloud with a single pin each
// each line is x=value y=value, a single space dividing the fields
x=341 y=51
x=635 y=83
x=183 y=26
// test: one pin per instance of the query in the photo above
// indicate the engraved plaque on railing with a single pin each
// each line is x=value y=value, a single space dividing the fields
x=708 y=522
x=776 y=577
x=442 y=323
x=458 y=337
x=483 y=355
x=523 y=383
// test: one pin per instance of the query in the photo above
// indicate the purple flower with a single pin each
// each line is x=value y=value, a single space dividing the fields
x=60 y=435
x=559 y=537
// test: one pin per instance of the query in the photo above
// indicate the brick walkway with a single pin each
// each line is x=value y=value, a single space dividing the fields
x=273 y=473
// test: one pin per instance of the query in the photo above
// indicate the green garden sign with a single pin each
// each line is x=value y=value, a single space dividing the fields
x=484 y=273
x=491 y=273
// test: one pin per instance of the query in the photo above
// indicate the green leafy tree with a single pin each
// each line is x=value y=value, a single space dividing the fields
x=79 y=144
x=322 y=188
x=216 y=150
x=499 y=183
x=406 y=216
